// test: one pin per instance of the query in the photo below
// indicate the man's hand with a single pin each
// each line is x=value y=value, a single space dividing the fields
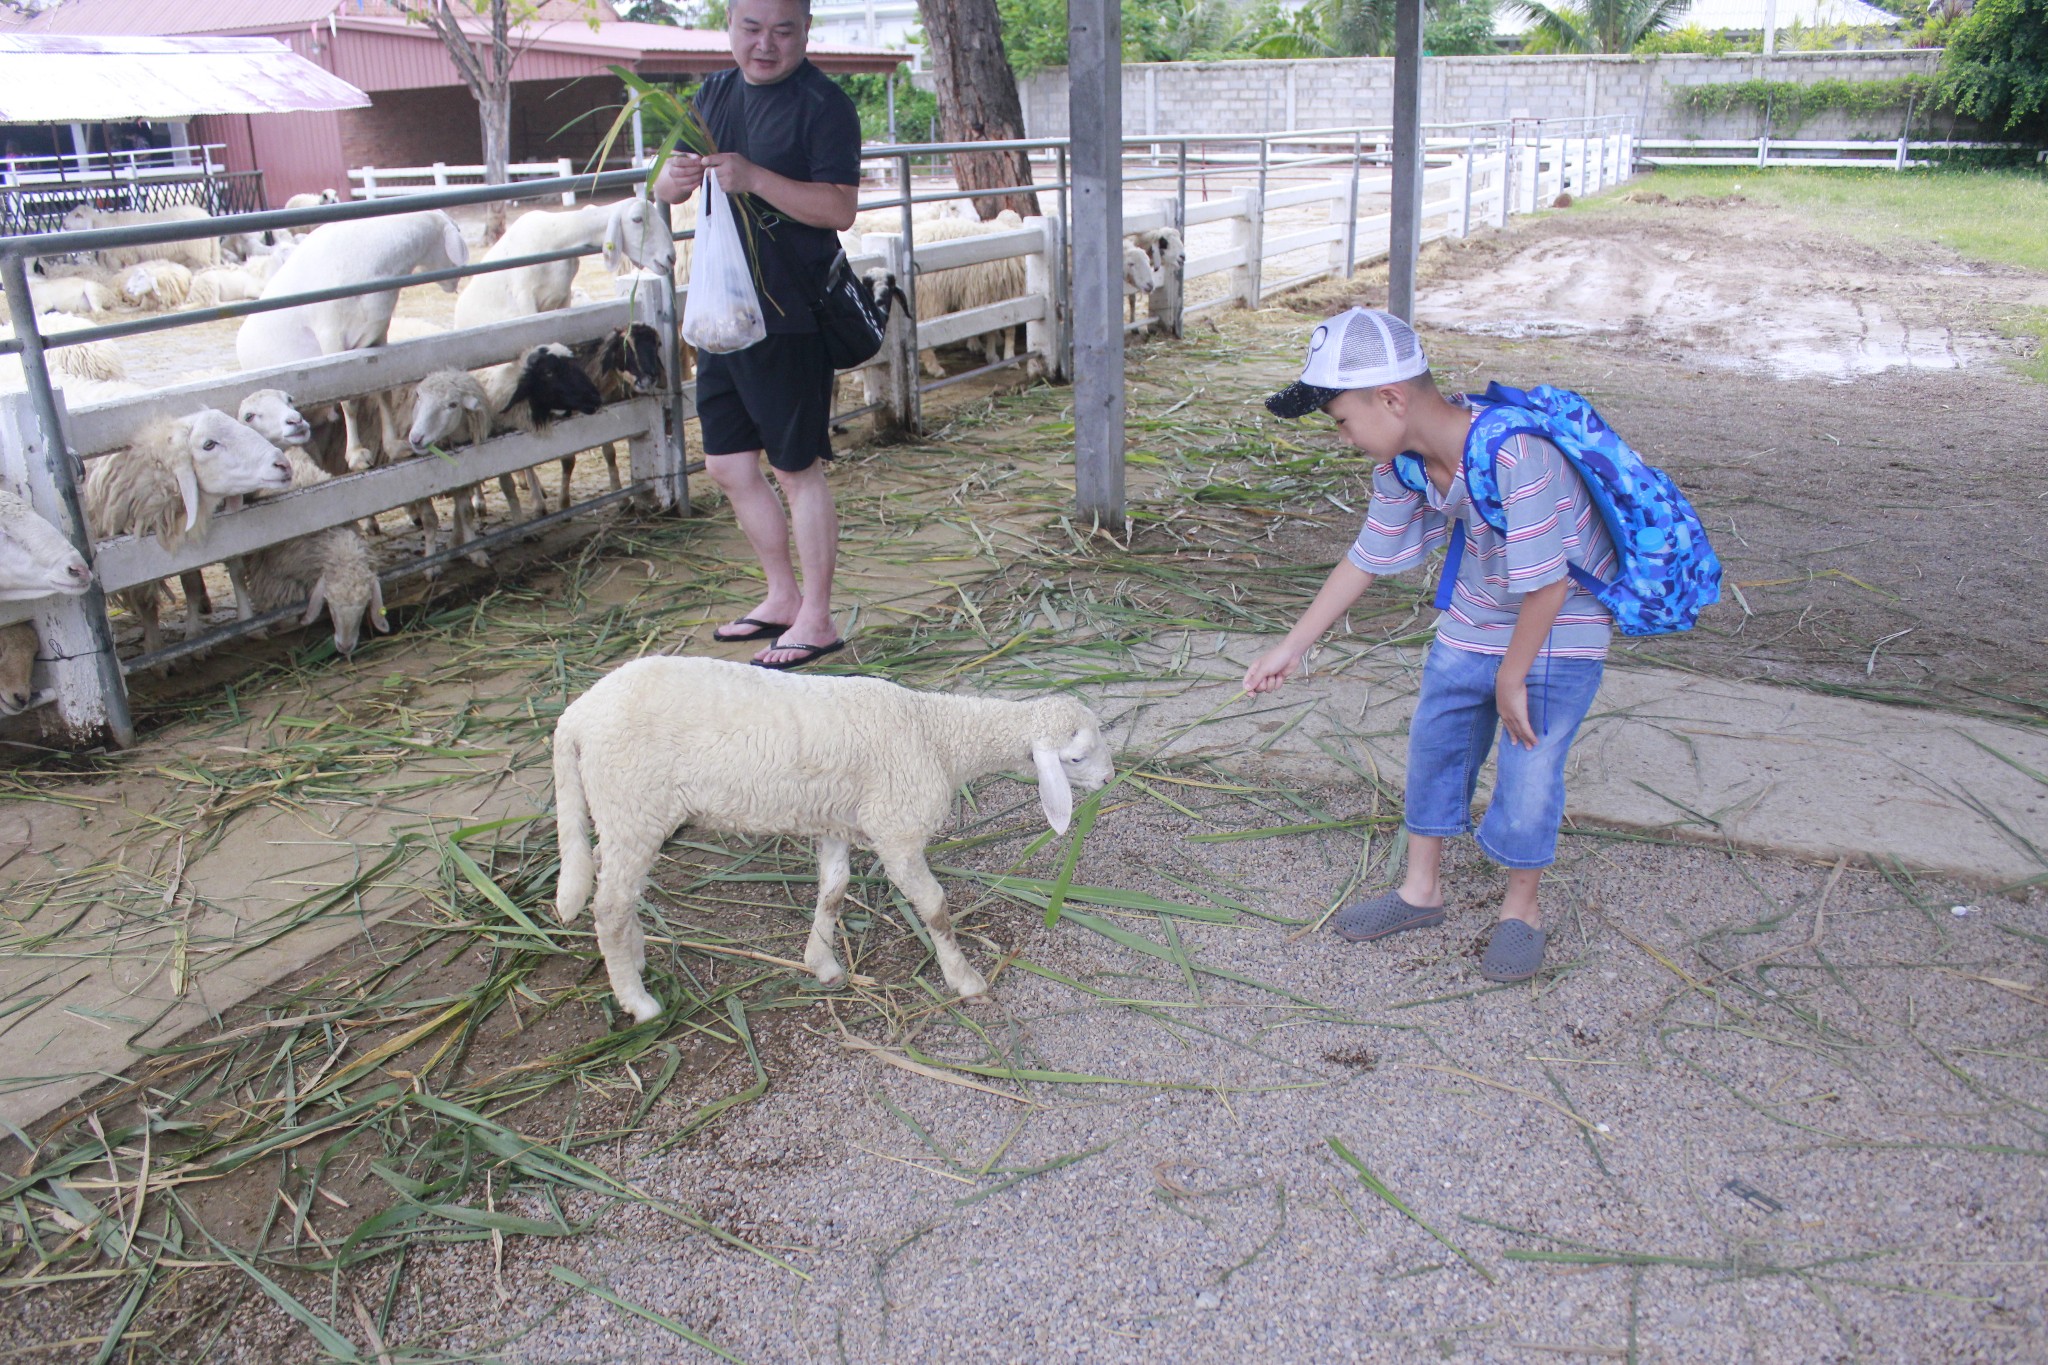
x=736 y=174
x=680 y=178
x=1273 y=668
x=1511 y=699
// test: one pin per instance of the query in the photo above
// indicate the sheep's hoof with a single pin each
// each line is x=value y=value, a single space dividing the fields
x=642 y=1007
x=478 y=558
x=831 y=976
x=968 y=985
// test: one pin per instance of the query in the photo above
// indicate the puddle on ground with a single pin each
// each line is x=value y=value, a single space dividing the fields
x=1799 y=325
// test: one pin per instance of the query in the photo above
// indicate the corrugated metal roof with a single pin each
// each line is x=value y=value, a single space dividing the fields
x=47 y=78
x=1739 y=16
x=163 y=18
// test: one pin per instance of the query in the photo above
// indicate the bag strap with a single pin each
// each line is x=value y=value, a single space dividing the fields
x=1454 y=556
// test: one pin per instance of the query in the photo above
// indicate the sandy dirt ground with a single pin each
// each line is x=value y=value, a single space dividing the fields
x=1758 y=1111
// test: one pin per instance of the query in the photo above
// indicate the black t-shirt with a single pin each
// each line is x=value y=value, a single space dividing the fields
x=803 y=127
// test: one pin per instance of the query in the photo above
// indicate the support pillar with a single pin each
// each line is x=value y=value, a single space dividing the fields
x=1405 y=228
x=1095 y=118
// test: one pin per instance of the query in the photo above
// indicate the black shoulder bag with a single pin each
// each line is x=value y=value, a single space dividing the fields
x=849 y=317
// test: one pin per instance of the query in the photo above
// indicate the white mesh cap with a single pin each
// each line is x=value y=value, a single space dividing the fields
x=1360 y=348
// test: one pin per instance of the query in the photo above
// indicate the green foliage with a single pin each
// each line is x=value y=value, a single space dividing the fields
x=653 y=12
x=1460 y=30
x=917 y=111
x=1995 y=68
x=1598 y=25
x=1694 y=40
x=1792 y=103
x=1182 y=31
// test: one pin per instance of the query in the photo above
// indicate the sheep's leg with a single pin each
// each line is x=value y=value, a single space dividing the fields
x=244 y=607
x=540 y=502
x=196 y=603
x=511 y=492
x=568 y=468
x=834 y=868
x=621 y=872
x=906 y=868
x=464 y=528
x=932 y=367
x=611 y=463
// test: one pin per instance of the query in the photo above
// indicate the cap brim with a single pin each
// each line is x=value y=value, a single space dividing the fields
x=1299 y=400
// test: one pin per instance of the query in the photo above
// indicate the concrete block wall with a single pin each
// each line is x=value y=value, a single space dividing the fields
x=1274 y=96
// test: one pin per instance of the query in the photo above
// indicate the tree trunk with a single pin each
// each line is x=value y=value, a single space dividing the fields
x=496 y=107
x=977 y=99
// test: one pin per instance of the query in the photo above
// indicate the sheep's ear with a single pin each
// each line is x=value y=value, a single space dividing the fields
x=188 y=490
x=316 y=602
x=471 y=402
x=377 y=607
x=452 y=244
x=1054 y=795
x=614 y=254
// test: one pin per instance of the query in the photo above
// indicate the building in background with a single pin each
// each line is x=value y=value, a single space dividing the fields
x=420 y=110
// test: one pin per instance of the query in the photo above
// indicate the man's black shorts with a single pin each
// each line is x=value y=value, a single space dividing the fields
x=775 y=396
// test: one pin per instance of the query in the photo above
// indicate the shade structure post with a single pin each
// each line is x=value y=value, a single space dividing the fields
x=1095 y=118
x=1405 y=228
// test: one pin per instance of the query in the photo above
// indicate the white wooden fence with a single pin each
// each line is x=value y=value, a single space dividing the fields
x=391 y=182
x=1894 y=154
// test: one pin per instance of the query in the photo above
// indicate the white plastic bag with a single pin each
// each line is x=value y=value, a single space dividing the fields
x=721 y=313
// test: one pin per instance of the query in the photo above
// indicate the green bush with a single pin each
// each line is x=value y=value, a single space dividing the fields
x=1792 y=103
x=917 y=111
x=1995 y=68
x=1692 y=40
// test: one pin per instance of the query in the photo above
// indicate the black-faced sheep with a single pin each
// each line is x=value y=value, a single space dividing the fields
x=624 y=363
x=664 y=742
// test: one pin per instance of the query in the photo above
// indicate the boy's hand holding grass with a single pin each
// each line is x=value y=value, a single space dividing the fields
x=1345 y=585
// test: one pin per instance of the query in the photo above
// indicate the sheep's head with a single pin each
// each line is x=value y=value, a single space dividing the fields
x=448 y=405
x=1068 y=752
x=348 y=593
x=214 y=456
x=1166 y=249
x=17 y=667
x=454 y=250
x=35 y=559
x=82 y=218
x=634 y=232
x=139 y=284
x=1138 y=271
x=630 y=357
x=551 y=384
x=272 y=414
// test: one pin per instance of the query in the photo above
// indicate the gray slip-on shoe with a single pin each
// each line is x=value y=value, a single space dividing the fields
x=1386 y=913
x=1514 y=953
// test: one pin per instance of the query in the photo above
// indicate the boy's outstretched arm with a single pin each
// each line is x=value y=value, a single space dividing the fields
x=1345 y=585
x=1511 y=685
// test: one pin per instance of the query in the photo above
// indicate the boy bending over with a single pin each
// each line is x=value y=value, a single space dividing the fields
x=1519 y=647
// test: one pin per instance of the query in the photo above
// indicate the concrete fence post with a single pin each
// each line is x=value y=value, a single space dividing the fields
x=1248 y=232
x=1042 y=335
x=76 y=643
x=1465 y=203
x=440 y=175
x=668 y=461
x=1169 y=301
x=1351 y=207
x=894 y=386
x=565 y=168
x=1504 y=163
x=369 y=182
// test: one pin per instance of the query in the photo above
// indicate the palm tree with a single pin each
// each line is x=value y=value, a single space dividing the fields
x=1598 y=25
x=1336 y=28
x=1177 y=30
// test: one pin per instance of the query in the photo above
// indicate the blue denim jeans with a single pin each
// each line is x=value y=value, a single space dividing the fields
x=1455 y=722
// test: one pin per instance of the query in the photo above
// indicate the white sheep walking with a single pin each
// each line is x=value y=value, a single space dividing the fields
x=664 y=742
x=337 y=254
x=629 y=230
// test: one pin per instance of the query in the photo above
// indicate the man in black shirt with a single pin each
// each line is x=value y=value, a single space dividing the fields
x=789 y=140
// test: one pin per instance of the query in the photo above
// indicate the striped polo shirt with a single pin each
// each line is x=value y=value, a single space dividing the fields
x=1551 y=521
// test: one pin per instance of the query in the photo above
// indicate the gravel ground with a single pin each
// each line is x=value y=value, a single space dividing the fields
x=1874 y=1085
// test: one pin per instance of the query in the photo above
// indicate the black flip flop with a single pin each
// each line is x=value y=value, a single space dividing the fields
x=811 y=654
x=761 y=630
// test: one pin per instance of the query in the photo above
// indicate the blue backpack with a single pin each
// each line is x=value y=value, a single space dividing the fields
x=1667 y=571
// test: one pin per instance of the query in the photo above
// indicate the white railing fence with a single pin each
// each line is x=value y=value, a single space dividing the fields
x=390 y=182
x=1894 y=154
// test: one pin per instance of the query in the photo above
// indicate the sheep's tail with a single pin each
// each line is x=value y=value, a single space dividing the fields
x=572 y=831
